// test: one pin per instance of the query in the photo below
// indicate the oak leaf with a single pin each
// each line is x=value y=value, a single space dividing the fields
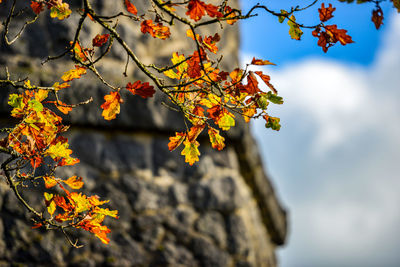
x=130 y=7
x=197 y=9
x=261 y=62
x=377 y=17
x=191 y=152
x=74 y=73
x=217 y=141
x=157 y=31
x=112 y=105
x=325 y=13
x=144 y=90
x=74 y=182
x=36 y=7
x=100 y=40
x=175 y=141
x=60 y=11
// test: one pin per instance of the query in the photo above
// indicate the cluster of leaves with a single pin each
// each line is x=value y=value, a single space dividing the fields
x=209 y=98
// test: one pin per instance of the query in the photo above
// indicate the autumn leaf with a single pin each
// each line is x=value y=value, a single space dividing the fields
x=74 y=73
x=226 y=121
x=100 y=40
x=74 y=182
x=252 y=84
x=157 y=31
x=261 y=62
x=130 y=7
x=217 y=141
x=194 y=132
x=175 y=141
x=191 y=152
x=272 y=122
x=112 y=105
x=61 y=106
x=49 y=181
x=294 y=30
x=36 y=7
x=266 y=79
x=79 y=52
x=325 y=14
x=210 y=43
x=60 y=11
x=229 y=13
x=197 y=9
x=377 y=17
x=144 y=90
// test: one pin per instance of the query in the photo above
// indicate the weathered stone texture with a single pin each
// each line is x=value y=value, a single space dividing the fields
x=220 y=212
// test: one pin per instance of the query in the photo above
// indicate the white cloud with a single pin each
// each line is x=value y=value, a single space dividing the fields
x=344 y=196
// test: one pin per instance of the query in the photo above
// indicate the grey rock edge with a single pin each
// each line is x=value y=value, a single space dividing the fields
x=221 y=212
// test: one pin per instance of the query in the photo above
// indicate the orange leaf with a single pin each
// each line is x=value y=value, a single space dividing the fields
x=36 y=7
x=252 y=84
x=74 y=182
x=74 y=73
x=266 y=80
x=194 y=132
x=217 y=141
x=197 y=9
x=130 y=7
x=141 y=89
x=100 y=40
x=175 y=141
x=261 y=62
x=112 y=105
x=325 y=14
x=49 y=182
x=157 y=31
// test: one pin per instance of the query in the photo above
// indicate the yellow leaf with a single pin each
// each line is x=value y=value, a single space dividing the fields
x=41 y=95
x=112 y=105
x=106 y=212
x=48 y=196
x=51 y=208
x=73 y=74
x=191 y=152
x=81 y=202
x=226 y=121
x=60 y=11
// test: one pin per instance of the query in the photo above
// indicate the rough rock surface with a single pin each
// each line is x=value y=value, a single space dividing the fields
x=221 y=212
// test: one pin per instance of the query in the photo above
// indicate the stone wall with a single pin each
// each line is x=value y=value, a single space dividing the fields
x=220 y=212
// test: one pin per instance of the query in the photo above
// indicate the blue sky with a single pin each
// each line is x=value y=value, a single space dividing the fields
x=335 y=160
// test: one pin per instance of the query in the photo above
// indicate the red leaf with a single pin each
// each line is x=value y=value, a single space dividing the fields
x=377 y=17
x=36 y=7
x=141 y=89
x=100 y=40
x=130 y=7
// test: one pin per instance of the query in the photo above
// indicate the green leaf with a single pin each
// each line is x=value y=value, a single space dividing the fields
x=294 y=31
x=274 y=98
x=262 y=101
x=273 y=123
x=15 y=101
x=35 y=105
